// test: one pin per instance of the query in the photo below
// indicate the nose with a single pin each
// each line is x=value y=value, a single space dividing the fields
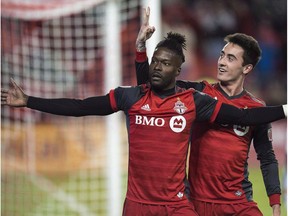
x=158 y=66
x=221 y=61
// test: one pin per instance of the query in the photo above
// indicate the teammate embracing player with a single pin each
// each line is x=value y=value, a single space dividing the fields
x=159 y=117
x=218 y=168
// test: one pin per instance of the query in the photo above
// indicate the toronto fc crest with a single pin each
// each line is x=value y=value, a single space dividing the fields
x=180 y=107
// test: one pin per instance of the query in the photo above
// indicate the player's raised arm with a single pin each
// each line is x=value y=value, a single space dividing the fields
x=15 y=97
x=141 y=61
x=145 y=32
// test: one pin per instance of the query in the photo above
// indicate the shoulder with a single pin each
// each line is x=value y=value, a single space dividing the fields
x=256 y=100
x=188 y=84
x=126 y=96
x=131 y=92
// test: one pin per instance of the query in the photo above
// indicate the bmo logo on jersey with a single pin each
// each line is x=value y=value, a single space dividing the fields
x=150 y=121
x=176 y=123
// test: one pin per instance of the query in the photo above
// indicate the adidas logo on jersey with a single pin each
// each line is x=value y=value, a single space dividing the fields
x=238 y=193
x=180 y=195
x=146 y=107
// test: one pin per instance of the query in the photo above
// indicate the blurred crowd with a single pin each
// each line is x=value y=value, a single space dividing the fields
x=205 y=24
x=59 y=47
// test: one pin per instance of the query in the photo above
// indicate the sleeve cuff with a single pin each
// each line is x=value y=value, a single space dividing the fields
x=112 y=100
x=274 y=199
x=30 y=102
x=216 y=111
x=141 y=56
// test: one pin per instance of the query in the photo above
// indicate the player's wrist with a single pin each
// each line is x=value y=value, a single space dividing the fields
x=274 y=199
x=276 y=210
x=141 y=56
x=26 y=97
x=140 y=46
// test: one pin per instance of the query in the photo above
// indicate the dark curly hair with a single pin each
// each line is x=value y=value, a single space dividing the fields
x=175 y=42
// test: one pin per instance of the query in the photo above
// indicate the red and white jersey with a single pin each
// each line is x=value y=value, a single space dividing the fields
x=218 y=168
x=159 y=131
x=219 y=153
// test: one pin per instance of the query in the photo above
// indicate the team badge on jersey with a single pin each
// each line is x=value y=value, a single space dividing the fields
x=180 y=107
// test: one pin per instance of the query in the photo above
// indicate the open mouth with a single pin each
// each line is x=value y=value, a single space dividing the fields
x=221 y=70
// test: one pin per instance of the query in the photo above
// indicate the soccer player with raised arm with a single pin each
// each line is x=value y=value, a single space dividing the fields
x=218 y=168
x=159 y=118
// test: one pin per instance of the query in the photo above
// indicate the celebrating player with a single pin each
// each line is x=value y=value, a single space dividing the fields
x=218 y=168
x=159 y=117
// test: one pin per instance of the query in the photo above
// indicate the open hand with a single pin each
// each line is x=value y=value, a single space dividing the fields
x=14 y=96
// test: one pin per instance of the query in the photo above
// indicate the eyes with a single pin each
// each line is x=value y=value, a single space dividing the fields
x=163 y=62
x=229 y=57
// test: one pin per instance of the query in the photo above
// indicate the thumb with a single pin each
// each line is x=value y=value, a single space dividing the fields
x=15 y=85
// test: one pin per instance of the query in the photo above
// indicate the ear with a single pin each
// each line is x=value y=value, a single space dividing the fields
x=247 y=68
x=178 y=71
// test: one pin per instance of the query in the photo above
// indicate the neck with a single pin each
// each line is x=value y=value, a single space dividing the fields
x=232 y=88
x=166 y=92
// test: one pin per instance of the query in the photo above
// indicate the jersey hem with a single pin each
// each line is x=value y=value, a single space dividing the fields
x=158 y=203
x=223 y=201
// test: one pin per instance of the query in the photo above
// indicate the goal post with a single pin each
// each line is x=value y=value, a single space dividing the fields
x=112 y=78
x=55 y=165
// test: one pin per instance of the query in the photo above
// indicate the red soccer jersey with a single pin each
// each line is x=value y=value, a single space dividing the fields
x=219 y=153
x=207 y=182
x=159 y=131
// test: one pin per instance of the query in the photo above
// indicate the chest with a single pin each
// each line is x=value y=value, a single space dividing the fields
x=175 y=113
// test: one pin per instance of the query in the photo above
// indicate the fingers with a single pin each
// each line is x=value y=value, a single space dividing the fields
x=16 y=87
x=13 y=83
x=4 y=95
x=151 y=30
x=4 y=91
x=146 y=15
x=148 y=12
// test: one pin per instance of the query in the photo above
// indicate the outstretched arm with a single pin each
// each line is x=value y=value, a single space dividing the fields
x=15 y=97
x=207 y=108
x=229 y=114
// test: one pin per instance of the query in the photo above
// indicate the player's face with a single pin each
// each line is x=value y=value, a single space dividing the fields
x=230 y=64
x=164 y=68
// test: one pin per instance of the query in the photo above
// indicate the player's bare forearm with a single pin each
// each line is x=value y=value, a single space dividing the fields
x=276 y=210
x=145 y=32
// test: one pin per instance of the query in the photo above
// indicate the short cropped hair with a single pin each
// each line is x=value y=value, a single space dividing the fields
x=252 y=50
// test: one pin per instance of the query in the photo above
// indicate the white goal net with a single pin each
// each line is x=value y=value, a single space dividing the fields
x=53 y=165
